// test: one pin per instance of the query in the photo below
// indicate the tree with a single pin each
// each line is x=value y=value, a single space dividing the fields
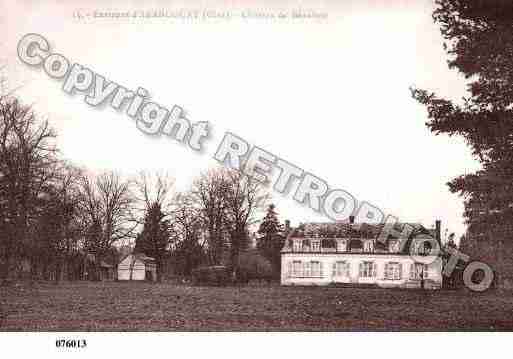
x=189 y=243
x=227 y=201
x=155 y=238
x=209 y=193
x=27 y=163
x=479 y=42
x=57 y=228
x=244 y=197
x=270 y=225
x=271 y=238
x=106 y=206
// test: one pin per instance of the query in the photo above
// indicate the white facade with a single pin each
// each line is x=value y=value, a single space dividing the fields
x=136 y=267
x=386 y=270
x=350 y=254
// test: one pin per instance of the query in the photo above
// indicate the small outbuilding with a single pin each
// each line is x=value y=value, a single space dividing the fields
x=137 y=267
x=90 y=271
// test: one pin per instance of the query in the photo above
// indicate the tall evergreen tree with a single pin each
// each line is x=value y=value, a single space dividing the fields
x=479 y=42
x=270 y=224
x=155 y=237
x=270 y=241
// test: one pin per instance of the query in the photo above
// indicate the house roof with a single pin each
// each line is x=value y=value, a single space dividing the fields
x=350 y=230
x=354 y=231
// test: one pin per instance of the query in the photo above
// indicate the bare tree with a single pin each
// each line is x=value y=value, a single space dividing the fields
x=208 y=194
x=227 y=201
x=106 y=205
x=57 y=230
x=189 y=242
x=244 y=198
x=154 y=189
x=27 y=165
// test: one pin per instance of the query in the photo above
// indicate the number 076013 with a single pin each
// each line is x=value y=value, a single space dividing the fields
x=71 y=343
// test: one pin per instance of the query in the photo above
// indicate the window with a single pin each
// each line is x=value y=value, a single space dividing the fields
x=296 y=246
x=393 y=270
x=368 y=246
x=355 y=245
x=419 y=271
x=305 y=245
x=368 y=270
x=316 y=246
x=306 y=269
x=341 y=269
x=328 y=243
x=393 y=246
x=316 y=269
x=296 y=269
x=341 y=246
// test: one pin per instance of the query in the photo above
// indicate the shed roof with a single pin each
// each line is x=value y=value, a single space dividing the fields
x=103 y=264
x=138 y=256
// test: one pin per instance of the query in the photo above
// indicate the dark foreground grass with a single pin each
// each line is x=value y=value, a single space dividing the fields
x=123 y=306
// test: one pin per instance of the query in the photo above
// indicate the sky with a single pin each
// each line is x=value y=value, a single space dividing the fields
x=328 y=94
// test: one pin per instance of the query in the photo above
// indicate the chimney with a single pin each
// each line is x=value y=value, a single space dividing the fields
x=287 y=225
x=438 y=231
x=351 y=219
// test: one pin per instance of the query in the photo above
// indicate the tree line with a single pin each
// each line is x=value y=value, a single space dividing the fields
x=479 y=43
x=53 y=213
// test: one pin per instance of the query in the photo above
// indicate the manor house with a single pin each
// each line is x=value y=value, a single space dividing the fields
x=350 y=254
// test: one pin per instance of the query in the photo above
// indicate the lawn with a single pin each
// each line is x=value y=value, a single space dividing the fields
x=123 y=306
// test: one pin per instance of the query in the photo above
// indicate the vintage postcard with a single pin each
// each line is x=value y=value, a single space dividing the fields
x=255 y=166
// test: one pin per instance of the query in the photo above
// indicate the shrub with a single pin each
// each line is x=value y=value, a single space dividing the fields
x=253 y=265
x=212 y=275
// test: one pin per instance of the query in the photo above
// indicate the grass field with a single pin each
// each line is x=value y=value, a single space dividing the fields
x=119 y=306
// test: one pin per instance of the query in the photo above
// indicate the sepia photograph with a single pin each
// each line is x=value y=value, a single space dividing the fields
x=256 y=174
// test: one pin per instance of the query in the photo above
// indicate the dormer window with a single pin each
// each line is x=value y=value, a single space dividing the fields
x=305 y=245
x=393 y=246
x=328 y=244
x=368 y=246
x=296 y=246
x=341 y=245
x=355 y=245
